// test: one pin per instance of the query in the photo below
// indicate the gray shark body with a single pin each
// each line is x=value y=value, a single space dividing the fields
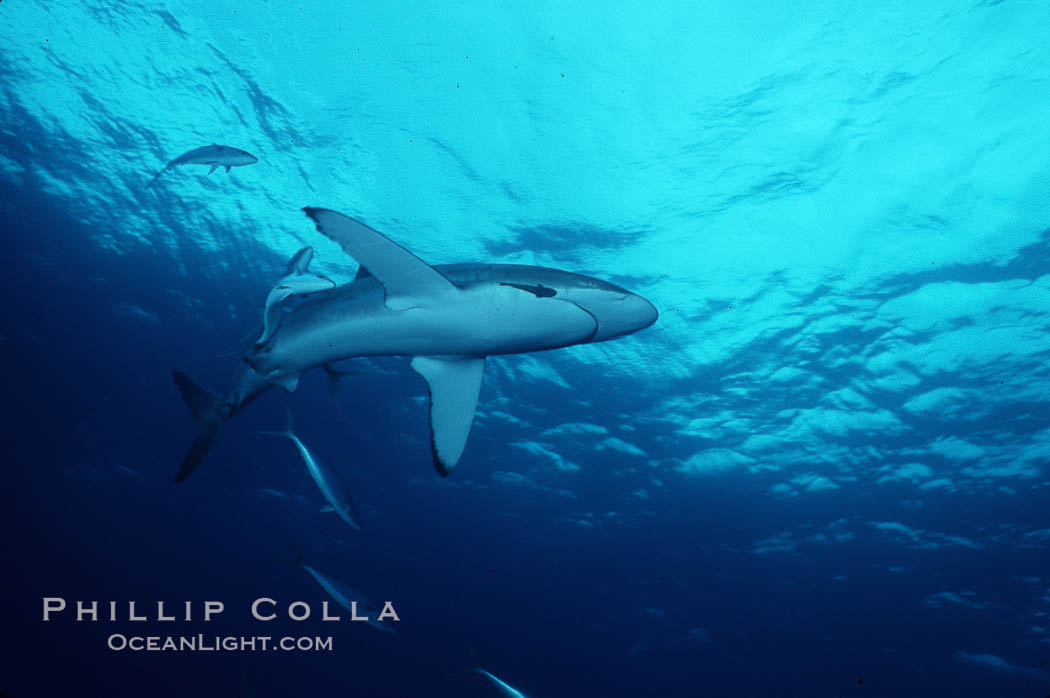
x=505 y=688
x=214 y=156
x=331 y=484
x=449 y=318
x=345 y=595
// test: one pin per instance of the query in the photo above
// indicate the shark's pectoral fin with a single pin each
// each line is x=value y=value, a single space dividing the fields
x=405 y=277
x=213 y=168
x=454 y=383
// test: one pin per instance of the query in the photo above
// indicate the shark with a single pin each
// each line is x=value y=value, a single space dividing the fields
x=505 y=688
x=449 y=318
x=346 y=596
x=214 y=155
x=329 y=481
x=298 y=280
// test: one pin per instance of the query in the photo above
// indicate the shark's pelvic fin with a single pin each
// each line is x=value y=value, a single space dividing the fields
x=362 y=273
x=228 y=168
x=212 y=168
x=454 y=383
x=404 y=276
x=271 y=311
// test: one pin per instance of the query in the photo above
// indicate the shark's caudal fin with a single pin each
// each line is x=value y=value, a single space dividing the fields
x=204 y=404
x=454 y=383
x=201 y=401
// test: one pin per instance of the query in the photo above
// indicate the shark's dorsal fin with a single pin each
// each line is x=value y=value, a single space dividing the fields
x=454 y=383
x=404 y=276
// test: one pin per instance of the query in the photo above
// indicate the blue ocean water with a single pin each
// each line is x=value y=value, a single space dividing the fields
x=822 y=472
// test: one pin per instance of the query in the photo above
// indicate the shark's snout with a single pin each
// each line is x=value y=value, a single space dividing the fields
x=645 y=312
x=637 y=313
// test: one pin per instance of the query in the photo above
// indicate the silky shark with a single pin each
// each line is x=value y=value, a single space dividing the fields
x=505 y=688
x=214 y=155
x=346 y=596
x=449 y=318
x=298 y=280
x=329 y=481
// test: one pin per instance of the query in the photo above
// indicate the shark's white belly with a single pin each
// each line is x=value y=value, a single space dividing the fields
x=482 y=321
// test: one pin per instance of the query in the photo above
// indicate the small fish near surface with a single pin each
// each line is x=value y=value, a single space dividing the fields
x=298 y=280
x=329 y=481
x=214 y=155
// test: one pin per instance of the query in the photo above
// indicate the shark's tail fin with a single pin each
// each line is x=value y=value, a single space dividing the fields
x=201 y=401
x=204 y=404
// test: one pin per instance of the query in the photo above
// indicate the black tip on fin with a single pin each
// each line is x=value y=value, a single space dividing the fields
x=439 y=465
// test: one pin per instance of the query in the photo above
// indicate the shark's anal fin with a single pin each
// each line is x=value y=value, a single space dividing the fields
x=288 y=381
x=454 y=383
x=213 y=168
x=405 y=277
